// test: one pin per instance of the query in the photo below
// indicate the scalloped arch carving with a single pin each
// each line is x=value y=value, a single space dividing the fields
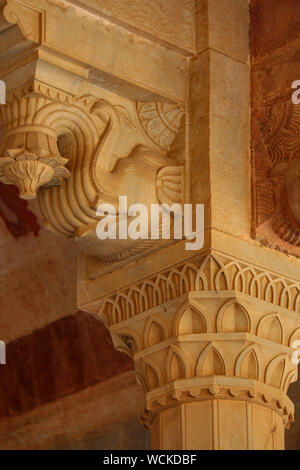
x=207 y=275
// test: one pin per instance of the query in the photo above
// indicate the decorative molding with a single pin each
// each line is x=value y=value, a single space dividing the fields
x=257 y=394
x=208 y=274
x=221 y=329
x=30 y=19
x=113 y=130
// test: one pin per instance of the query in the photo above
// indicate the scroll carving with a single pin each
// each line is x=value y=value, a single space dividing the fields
x=108 y=158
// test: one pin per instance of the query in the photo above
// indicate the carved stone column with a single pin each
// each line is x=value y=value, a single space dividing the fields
x=215 y=364
x=160 y=115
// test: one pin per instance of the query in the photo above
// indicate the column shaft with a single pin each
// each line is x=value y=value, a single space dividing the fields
x=218 y=425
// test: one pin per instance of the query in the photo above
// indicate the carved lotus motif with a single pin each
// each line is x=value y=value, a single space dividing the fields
x=32 y=160
x=28 y=175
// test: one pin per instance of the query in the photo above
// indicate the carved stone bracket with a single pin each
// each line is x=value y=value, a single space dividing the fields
x=70 y=139
x=83 y=151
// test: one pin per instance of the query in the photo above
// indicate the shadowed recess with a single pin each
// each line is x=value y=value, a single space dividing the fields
x=18 y=219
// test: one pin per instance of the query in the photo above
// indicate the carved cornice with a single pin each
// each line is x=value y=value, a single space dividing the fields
x=35 y=87
x=38 y=20
x=30 y=18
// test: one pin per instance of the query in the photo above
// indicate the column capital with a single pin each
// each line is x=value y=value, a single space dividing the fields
x=219 y=330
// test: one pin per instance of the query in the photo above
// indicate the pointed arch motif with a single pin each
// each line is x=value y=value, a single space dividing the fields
x=177 y=365
x=155 y=331
x=201 y=281
x=190 y=320
x=153 y=375
x=294 y=336
x=270 y=327
x=139 y=299
x=120 y=308
x=210 y=362
x=213 y=273
x=233 y=317
x=249 y=364
x=270 y=290
x=275 y=371
x=150 y=290
x=222 y=278
x=106 y=311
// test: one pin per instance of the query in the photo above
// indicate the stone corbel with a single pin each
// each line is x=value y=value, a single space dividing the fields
x=75 y=144
x=78 y=152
